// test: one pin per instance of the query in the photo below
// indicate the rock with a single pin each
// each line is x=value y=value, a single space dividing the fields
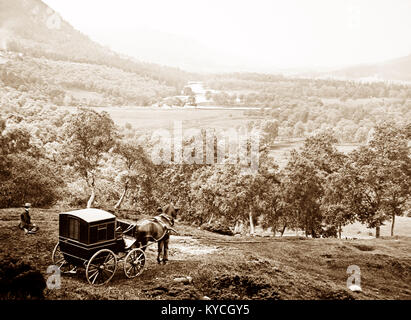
x=205 y=298
x=217 y=227
x=185 y=280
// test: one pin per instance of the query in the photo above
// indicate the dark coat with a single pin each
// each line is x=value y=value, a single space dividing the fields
x=25 y=219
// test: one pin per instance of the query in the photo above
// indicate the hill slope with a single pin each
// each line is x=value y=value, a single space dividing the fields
x=396 y=69
x=224 y=267
x=32 y=28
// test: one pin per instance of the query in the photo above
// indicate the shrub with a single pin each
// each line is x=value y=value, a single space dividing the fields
x=19 y=280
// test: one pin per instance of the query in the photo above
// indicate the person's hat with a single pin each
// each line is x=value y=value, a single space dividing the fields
x=27 y=205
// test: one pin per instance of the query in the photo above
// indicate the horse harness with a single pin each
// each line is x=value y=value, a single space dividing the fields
x=168 y=228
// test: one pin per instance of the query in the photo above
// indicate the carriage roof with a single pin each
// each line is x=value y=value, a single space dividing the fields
x=90 y=215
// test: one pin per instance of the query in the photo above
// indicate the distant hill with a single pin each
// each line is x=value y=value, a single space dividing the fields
x=395 y=70
x=31 y=27
x=173 y=50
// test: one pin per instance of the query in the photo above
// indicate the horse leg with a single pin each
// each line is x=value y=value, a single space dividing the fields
x=160 y=249
x=165 y=254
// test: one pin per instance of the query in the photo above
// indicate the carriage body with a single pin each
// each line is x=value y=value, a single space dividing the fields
x=94 y=238
x=84 y=232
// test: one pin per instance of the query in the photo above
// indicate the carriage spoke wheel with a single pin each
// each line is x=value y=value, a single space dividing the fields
x=134 y=263
x=58 y=260
x=101 y=267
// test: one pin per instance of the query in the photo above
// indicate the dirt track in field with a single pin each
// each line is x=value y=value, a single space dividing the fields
x=224 y=267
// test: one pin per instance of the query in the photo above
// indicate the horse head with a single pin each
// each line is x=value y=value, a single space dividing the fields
x=169 y=211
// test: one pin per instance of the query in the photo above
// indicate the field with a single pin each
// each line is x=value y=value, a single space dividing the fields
x=148 y=119
x=144 y=119
x=224 y=267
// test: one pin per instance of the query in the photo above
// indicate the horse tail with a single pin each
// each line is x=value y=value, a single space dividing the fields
x=146 y=232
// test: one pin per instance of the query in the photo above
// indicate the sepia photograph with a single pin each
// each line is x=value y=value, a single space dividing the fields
x=192 y=152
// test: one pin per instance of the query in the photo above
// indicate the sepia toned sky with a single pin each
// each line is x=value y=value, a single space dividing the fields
x=275 y=33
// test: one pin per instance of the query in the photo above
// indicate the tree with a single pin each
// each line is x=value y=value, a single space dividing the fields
x=276 y=216
x=302 y=188
x=191 y=101
x=336 y=204
x=390 y=145
x=369 y=179
x=135 y=160
x=321 y=151
x=12 y=141
x=382 y=172
x=269 y=132
x=26 y=174
x=187 y=91
x=304 y=180
x=225 y=192
x=89 y=135
x=299 y=129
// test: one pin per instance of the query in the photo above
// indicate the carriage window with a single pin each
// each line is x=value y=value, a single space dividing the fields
x=93 y=234
x=74 y=229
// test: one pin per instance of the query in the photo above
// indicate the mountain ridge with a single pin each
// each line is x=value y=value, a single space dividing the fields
x=397 y=69
x=32 y=27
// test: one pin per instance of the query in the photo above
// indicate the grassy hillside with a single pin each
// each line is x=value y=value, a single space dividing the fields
x=224 y=267
x=74 y=83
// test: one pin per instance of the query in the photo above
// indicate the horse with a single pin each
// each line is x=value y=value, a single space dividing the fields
x=157 y=229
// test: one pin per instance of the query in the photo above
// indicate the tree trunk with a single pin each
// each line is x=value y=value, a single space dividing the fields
x=392 y=225
x=377 y=231
x=251 y=222
x=93 y=191
x=282 y=231
x=91 y=199
x=120 y=201
x=236 y=227
x=274 y=228
x=339 y=231
x=211 y=218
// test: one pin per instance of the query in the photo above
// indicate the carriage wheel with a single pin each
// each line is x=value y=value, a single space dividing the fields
x=134 y=263
x=58 y=259
x=101 y=267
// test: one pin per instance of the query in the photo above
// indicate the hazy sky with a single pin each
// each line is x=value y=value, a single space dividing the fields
x=284 y=34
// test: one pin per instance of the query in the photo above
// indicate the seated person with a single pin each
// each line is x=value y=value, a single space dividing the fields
x=25 y=221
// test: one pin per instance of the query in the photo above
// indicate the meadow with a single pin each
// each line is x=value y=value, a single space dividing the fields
x=146 y=119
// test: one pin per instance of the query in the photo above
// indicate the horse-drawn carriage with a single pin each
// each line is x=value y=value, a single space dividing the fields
x=96 y=240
